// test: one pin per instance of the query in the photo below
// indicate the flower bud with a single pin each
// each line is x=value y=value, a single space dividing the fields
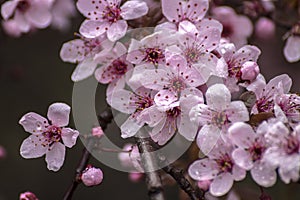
x=135 y=176
x=28 y=196
x=92 y=176
x=204 y=185
x=97 y=132
x=264 y=28
x=249 y=70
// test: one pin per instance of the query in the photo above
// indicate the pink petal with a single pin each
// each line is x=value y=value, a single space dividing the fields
x=241 y=134
x=244 y=54
x=91 y=9
x=32 y=147
x=84 y=69
x=34 y=123
x=291 y=49
x=122 y=101
x=117 y=30
x=21 y=21
x=69 y=137
x=133 y=9
x=130 y=127
x=242 y=158
x=203 y=169
x=165 y=97
x=58 y=114
x=237 y=112
x=283 y=81
x=156 y=79
x=165 y=131
x=263 y=174
x=8 y=8
x=218 y=97
x=208 y=137
x=72 y=51
x=39 y=16
x=55 y=156
x=169 y=10
x=92 y=29
x=209 y=23
x=238 y=173
x=221 y=184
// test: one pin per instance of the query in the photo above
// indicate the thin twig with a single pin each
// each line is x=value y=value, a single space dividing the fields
x=104 y=119
x=153 y=181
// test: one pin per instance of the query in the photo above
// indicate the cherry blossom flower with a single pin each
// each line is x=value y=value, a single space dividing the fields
x=27 y=14
x=28 y=196
x=48 y=137
x=62 y=11
x=97 y=132
x=92 y=176
x=232 y=24
x=113 y=65
x=285 y=154
x=264 y=28
x=109 y=17
x=84 y=51
x=250 y=153
x=216 y=116
x=219 y=167
x=241 y=64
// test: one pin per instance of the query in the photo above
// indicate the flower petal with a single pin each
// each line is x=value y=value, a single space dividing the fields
x=130 y=127
x=55 y=156
x=242 y=158
x=117 y=30
x=84 y=69
x=39 y=16
x=203 y=169
x=59 y=113
x=92 y=29
x=218 y=97
x=263 y=174
x=133 y=9
x=237 y=112
x=8 y=8
x=34 y=123
x=32 y=147
x=291 y=49
x=241 y=134
x=221 y=184
x=208 y=137
x=69 y=137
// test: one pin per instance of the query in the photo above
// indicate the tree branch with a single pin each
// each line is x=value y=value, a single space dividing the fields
x=104 y=119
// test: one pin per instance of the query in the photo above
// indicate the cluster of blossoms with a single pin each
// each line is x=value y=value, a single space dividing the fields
x=177 y=78
x=23 y=16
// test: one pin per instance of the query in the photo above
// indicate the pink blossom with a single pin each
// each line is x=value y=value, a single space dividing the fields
x=216 y=116
x=2 y=152
x=131 y=159
x=114 y=65
x=11 y=28
x=92 y=176
x=48 y=137
x=219 y=167
x=109 y=17
x=62 y=11
x=204 y=185
x=251 y=152
x=232 y=24
x=285 y=154
x=27 y=14
x=264 y=28
x=28 y=196
x=84 y=51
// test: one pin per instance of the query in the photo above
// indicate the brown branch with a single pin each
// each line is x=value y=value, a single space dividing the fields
x=104 y=119
x=153 y=181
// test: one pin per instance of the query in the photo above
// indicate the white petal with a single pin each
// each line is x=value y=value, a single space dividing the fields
x=241 y=134
x=59 y=113
x=69 y=137
x=218 y=97
x=117 y=30
x=204 y=169
x=242 y=158
x=130 y=127
x=34 y=123
x=55 y=156
x=39 y=16
x=207 y=138
x=221 y=184
x=263 y=174
x=133 y=9
x=32 y=147
x=238 y=173
x=92 y=29
x=237 y=112
x=291 y=49
x=84 y=69
x=8 y=8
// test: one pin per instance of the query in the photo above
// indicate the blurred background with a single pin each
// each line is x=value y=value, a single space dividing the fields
x=32 y=76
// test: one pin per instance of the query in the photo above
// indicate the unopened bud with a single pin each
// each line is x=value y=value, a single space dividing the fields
x=92 y=176
x=249 y=70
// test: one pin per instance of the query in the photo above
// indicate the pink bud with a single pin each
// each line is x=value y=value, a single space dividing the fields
x=249 y=70
x=97 y=132
x=204 y=185
x=2 y=152
x=28 y=196
x=92 y=176
x=135 y=177
x=264 y=28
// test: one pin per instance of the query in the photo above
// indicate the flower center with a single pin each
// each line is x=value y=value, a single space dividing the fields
x=292 y=145
x=23 y=6
x=174 y=112
x=192 y=54
x=112 y=14
x=119 y=66
x=225 y=163
x=92 y=46
x=53 y=134
x=264 y=105
x=143 y=102
x=219 y=119
x=154 y=55
x=257 y=151
x=178 y=85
